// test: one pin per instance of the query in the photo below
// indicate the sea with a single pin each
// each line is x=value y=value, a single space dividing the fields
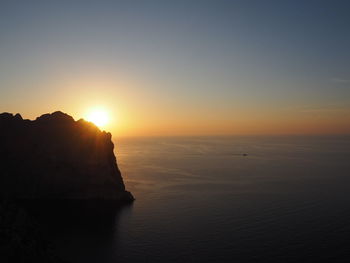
x=222 y=199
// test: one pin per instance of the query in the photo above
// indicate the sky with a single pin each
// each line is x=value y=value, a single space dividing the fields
x=180 y=67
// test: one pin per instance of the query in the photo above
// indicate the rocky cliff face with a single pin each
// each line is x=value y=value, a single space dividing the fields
x=55 y=157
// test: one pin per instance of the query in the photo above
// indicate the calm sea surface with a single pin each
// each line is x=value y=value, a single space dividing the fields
x=199 y=199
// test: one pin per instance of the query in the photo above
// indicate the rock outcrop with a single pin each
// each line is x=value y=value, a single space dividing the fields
x=55 y=157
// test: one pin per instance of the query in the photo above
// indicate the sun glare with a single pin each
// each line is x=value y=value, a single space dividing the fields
x=99 y=117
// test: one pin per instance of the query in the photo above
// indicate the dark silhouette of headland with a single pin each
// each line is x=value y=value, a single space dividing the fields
x=57 y=158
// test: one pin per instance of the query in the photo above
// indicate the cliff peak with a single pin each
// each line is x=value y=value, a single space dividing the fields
x=57 y=116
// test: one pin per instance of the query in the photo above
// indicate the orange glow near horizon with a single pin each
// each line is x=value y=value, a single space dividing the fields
x=144 y=120
x=122 y=108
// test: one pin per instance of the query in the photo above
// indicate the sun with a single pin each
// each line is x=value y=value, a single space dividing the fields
x=98 y=116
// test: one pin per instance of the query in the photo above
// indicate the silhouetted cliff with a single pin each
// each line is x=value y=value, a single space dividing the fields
x=55 y=157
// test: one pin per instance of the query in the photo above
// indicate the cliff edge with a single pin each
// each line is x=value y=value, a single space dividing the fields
x=56 y=157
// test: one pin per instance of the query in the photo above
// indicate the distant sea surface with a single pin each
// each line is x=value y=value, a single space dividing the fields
x=225 y=199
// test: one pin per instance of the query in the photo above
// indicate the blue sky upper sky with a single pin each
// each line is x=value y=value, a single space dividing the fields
x=181 y=67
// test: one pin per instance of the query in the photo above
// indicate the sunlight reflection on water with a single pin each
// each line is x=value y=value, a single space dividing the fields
x=200 y=199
